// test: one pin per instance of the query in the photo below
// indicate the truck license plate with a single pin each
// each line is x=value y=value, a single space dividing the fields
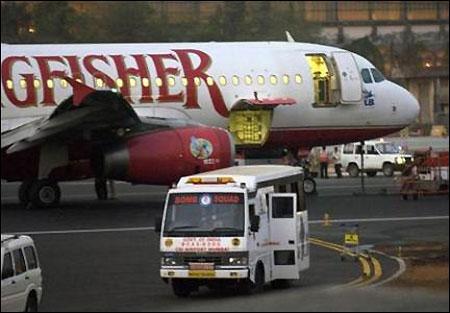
x=202 y=273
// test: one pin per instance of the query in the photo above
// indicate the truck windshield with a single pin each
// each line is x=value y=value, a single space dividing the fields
x=387 y=148
x=205 y=215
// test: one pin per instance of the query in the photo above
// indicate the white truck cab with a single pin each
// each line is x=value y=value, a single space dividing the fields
x=236 y=227
x=21 y=275
x=379 y=155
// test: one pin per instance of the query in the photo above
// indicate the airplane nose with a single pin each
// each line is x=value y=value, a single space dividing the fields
x=413 y=107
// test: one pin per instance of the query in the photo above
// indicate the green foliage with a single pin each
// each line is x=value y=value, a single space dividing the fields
x=138 y=21
x=15 y=22
x=54 y=21
x=364 y=46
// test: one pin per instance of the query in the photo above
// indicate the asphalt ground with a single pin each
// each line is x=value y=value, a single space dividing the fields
x=103 y=256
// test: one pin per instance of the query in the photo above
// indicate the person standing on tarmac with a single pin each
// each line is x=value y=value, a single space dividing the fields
x=323 y=157
x=336 y=156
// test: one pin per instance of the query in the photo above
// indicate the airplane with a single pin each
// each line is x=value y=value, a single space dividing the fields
x=151 y=113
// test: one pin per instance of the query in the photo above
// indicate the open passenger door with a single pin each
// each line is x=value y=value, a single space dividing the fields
x=348 y=73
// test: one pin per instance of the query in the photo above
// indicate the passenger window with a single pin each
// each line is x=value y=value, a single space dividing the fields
x=284 y=257
x=19 y=262
x=23 y=84
x=282 y=207
x=371 y=150
x=261 y=80
x=273 y=79
x=348 y=148
x=235 y=80
x=222 y=80
x=8 y=270
x=365 y=73
x=9 y=84
x=377 y=76
x=30 y=254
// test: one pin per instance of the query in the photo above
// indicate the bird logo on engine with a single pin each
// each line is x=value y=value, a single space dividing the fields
x=201 y=148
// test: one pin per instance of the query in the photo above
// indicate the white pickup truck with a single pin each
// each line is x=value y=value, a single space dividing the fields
x=379 y=155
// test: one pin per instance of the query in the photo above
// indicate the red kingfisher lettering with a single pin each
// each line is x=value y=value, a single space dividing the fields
x=110 y=69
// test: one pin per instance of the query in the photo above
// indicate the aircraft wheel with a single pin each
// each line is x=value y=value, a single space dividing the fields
x=101 y=189
x=44 y=194
x=24 y=191
x=309 y=186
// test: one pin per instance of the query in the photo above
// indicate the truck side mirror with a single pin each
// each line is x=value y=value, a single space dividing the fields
x=254 y=223
x=158 y=224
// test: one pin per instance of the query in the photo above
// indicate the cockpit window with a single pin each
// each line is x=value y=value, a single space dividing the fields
x=377 y=76
x=365 y=73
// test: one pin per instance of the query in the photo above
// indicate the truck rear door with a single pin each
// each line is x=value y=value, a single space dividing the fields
x=283 y=235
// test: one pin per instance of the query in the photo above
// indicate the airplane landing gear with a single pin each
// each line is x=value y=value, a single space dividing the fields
x=101 y=189
x=41 y=194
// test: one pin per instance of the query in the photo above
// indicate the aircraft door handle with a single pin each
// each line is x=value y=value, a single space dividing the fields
x=291 y=242
x=27 y=278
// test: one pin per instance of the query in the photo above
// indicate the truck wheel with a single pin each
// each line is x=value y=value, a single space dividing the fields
x=247 y=287
x=309 y=186
x=181 y=289
x=388 y=169
x=372 y=173
x=353 y=170
x=44 y=194
x=32 y=305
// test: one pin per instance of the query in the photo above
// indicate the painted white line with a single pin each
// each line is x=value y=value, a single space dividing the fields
x=135 y=229
x=355 y=186
x=85 y=231
x=400 y=271
x=383 y=219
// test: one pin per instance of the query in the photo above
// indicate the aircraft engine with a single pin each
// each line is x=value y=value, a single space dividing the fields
x=162 y=157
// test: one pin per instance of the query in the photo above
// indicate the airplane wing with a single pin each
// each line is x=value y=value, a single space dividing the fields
x=98 y=115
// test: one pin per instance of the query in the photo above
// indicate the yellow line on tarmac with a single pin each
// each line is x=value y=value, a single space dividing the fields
x=340 y=249
x=366 y=278
x=378 y=272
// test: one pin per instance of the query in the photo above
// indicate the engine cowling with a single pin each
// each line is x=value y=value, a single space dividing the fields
x=162 y=157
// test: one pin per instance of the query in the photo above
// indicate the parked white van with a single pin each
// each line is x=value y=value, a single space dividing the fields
x=379 y=155
x=21 y=275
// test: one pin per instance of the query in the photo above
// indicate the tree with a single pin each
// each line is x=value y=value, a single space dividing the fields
x=364 y=46
x=234 y=14
x=128 y=21
x=54 y=21
x=15 y=22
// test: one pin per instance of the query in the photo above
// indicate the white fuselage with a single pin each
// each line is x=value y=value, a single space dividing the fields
x=200 y=81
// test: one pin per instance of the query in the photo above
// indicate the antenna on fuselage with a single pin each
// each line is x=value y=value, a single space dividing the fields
x=289 y=37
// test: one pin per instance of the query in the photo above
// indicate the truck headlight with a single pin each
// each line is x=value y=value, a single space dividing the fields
x=168 y=261
x=238 y=261
x=400 y=160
